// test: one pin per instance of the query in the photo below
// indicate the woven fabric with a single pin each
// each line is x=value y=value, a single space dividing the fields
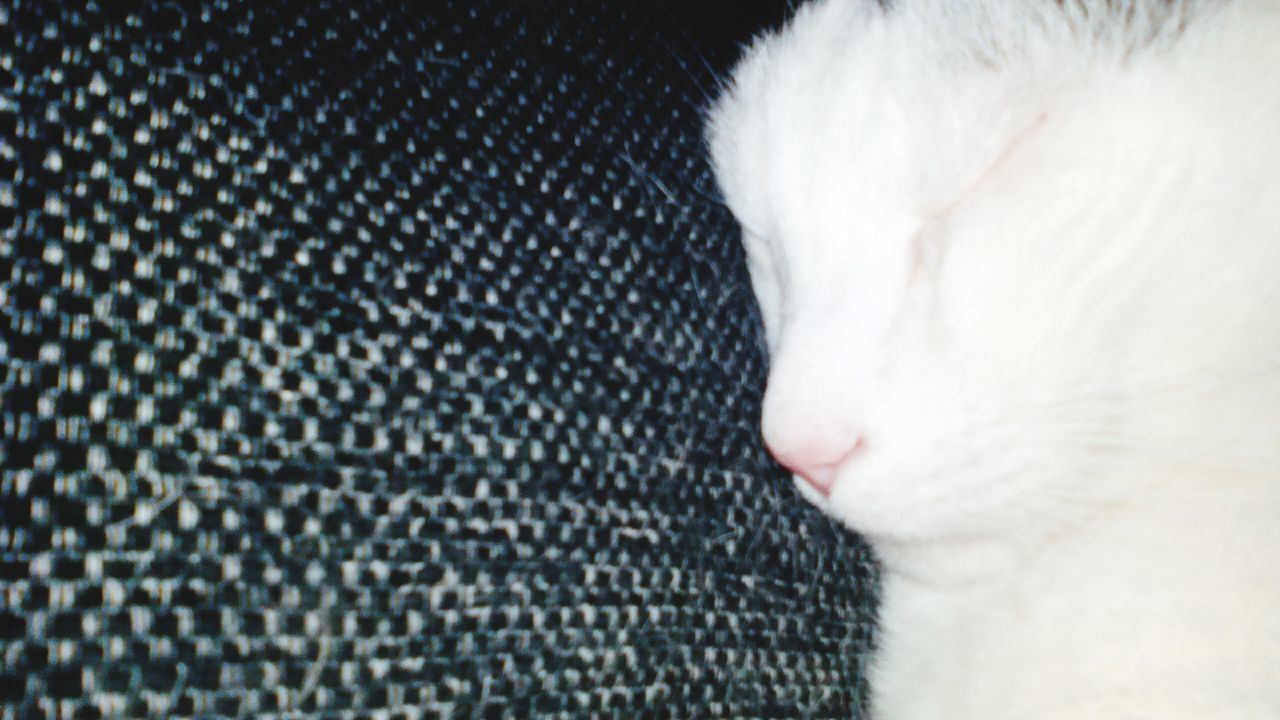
x=390 y=360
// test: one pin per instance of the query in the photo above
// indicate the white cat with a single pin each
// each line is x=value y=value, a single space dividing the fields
x=1019 y=267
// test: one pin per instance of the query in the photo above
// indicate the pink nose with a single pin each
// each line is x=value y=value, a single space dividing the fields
x=817 y=462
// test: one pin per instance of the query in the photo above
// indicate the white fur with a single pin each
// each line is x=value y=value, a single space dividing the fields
x=1029 y=252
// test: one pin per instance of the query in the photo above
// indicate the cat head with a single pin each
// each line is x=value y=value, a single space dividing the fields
x=1011 y=274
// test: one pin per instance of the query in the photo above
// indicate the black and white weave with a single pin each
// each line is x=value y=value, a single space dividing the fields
x=390 y=360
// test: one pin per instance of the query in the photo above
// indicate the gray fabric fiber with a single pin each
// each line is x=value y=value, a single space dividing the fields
x=390 y=360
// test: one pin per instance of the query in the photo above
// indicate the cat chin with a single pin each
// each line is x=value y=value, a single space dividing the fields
x=810 y=493
x=944 y=551
x=950 y=561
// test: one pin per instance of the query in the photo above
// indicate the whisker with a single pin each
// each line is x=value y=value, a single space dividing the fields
x=718 y=83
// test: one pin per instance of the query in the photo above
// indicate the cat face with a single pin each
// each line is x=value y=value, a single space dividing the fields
x=998 y=299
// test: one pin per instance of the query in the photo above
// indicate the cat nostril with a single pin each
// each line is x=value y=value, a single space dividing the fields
x=817 y=464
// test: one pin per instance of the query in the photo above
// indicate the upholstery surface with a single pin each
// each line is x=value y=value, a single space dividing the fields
x=390 y=360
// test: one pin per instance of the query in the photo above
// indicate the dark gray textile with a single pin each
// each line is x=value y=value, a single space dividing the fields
x=390 y=360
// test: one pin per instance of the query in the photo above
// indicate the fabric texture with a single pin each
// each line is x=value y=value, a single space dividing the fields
x=391 y=360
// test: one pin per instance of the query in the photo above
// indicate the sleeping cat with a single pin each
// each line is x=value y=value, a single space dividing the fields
x=1019 y=268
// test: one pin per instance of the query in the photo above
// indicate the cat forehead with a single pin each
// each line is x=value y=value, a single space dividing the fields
x=774 y=93
x=856 y=80
x=854 y=101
